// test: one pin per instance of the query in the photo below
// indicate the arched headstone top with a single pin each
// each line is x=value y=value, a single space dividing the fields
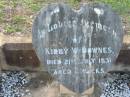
x=77 y=47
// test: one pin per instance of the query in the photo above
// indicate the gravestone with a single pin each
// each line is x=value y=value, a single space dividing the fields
x=77 y=47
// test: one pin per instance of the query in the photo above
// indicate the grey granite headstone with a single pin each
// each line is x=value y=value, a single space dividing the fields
x=77 y=47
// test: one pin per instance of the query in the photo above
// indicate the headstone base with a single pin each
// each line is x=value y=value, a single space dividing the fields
x=65 y=91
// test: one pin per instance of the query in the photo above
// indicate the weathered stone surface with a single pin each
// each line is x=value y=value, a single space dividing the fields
x=77 y=47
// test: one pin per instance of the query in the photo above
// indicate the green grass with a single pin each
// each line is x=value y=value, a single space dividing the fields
x=19 y=20
x=121 y=6
x=23 y=22
x=33 y=5
x=2 y=4
x=9 y=29
x=2 y=16
x=74 y=2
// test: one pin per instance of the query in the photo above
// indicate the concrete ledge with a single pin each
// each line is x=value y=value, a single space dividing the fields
x=124 y=57
x=20 y=56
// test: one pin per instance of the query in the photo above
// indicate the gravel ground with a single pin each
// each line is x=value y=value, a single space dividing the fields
x=13 y=84
x=17 y=83
x=24 y=84
x=116 y=85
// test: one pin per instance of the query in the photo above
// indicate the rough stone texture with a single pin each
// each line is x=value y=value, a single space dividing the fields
x=77 y=47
